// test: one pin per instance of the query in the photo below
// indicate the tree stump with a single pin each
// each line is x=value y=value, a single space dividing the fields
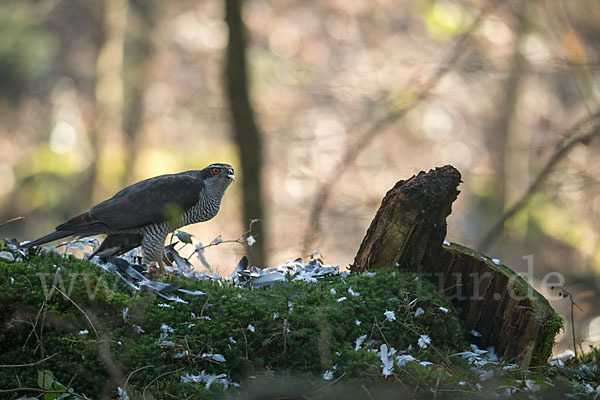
x=408 y=232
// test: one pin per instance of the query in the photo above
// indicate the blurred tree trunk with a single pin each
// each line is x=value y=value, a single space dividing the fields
x=137 y=65
x=245 y=130
x=108 y=171
x=502 y=145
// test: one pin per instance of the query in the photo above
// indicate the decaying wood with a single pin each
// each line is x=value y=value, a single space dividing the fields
x=408 y=232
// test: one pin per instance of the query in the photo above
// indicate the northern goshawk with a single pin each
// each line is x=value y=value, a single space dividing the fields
x=144 y=213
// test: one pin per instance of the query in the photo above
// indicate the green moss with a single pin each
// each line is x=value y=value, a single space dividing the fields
x=320 y=336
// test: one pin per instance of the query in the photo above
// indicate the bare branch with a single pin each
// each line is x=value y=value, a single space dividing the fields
x=558 y=155
x=378 y=126
x=11 y=220
x=27 y=365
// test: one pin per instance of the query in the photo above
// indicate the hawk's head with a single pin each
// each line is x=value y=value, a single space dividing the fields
x=218 y=176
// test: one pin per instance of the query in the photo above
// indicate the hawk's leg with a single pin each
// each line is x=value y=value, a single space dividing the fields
x=162 y=267
x=163 y=262
x=153 y=250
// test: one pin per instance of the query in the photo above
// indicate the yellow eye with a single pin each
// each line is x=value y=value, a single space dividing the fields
x=216 y=170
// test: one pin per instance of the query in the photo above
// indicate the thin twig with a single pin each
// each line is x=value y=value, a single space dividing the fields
x=157 y=378
x=27 y=365
x=11 y=220
x=367 y=392
x=204 y=306
x=566 y=294
x=437 y=385
x=378 y=126
x=328 y=384
x=79 y=308
x=539 y=179
x=34 y=325
x=243 y=239
x=133 y=372
x=25 y=389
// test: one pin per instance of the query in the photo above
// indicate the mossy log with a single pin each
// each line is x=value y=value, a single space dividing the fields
x=408 y=232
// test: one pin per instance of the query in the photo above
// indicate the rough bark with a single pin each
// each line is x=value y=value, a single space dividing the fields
x=410 y=225
x=408 y=232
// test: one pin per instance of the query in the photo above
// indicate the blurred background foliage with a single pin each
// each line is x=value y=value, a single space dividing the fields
x=349 y=96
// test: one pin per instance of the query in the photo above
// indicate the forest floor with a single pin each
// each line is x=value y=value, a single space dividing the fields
x=70 y=329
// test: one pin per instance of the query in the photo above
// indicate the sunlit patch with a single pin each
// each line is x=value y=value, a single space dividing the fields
x=496 y=31
x=284 y=40
x=63 y=138
x=458 y=153
x=437 y=124
x=594 y=330
x=7 y=179
x=445 y=19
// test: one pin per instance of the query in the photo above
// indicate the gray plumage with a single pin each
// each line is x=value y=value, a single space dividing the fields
x=147 y=211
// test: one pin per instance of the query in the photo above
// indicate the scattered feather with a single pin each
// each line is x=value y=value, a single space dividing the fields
x=387 y=359
x=333 y=291
x=192 y=292
x=328 y=375
x=357 y=322
x=496 y=261
x=424 y=341
x=7 y=256
x=390 y=315
x=209 y=379
x=443 y=309
x=251 y=328
x=122 y=394
x=475 y=333
x=352 y=292
x=83 y=332
x=359 y=341
x=214 y=357
x=486 y=375
x=341 y=299
x=176 y=299
x=419 y=312
x=403 y=359
x=250 y=240
x=201 y=257
x=560 y=359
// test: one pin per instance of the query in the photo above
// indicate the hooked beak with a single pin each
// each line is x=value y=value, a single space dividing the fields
x=231 y=176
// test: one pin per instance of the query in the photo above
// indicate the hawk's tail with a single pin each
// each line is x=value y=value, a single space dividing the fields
x=47 y=238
